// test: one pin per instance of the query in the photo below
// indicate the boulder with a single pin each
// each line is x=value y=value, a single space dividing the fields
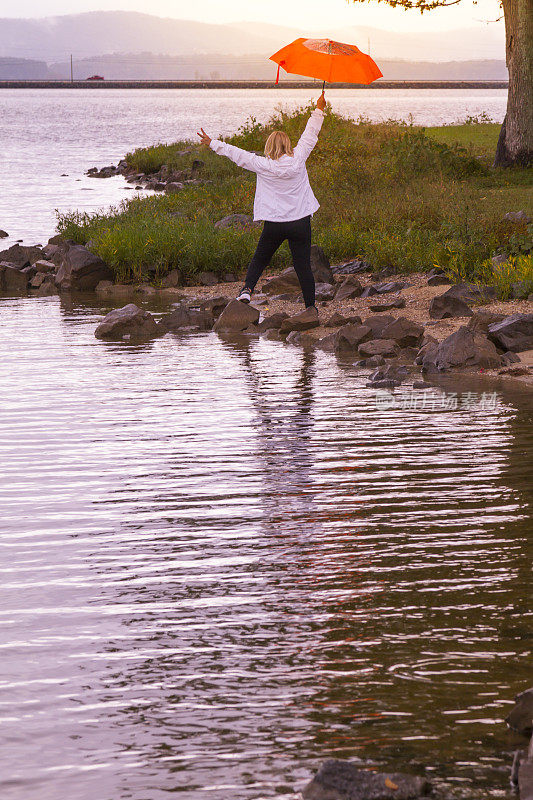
x=343 y=780
x=352 y=267
x=404 y=332
x=390 y=286
x=510 y=358
x=481 y=320
x=437 y=277
x=46 y=289
x=241 y=221
x=206 y=279
x=21 y=256
x=350 y=287
x=128 y=322
x=514 y=333
x=428 y=350
x=445 y=306
x=12 y=279
x=346 y=340
x=368 y=291
x=3 y=234
x=236 y=316
x=37 y=279
x=110 y=289
x=172 y=187
x=388 y=305
x=320 y=265
x=325 y=291
x=464 y=349
x=215 y=305
x=185 y=317
x=520 y=718
x=379 y=347
x=471 y=293
x=303 y=321
x=378 y=324
x=44 y=266
x=337 y=319
x=273 y=321
x=286 y=281
x=81 y=270
x=525 y=774
x=172 y=280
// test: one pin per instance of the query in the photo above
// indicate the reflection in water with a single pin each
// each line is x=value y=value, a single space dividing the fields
x=222 y=563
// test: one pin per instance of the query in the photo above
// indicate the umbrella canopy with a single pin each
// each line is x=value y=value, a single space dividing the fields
x=327 y=60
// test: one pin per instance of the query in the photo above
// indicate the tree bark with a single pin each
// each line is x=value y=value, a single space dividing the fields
x=515 y=147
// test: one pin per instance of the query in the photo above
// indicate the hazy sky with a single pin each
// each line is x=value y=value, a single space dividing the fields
x=305 y=14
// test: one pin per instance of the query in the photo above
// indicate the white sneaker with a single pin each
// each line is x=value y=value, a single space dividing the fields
x=245 y=295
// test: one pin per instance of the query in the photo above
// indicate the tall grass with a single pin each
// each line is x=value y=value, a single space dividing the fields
x=389 y=192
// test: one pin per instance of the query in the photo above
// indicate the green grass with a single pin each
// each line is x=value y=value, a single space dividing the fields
x=400 y=196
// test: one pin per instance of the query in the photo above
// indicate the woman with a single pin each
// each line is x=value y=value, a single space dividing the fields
x=285 y=202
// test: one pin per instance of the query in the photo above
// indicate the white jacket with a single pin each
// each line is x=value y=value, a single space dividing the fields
x=283 y=190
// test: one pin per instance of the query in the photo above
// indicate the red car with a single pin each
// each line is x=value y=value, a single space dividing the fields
x=95 y=78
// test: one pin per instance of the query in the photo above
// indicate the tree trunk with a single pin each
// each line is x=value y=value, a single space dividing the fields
x=515 y=147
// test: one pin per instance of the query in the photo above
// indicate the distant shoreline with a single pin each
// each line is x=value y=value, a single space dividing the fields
x=112 y=84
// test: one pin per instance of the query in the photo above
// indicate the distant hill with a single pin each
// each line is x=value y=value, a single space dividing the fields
x=23 y=69
x=96 y=33
x=146 y=66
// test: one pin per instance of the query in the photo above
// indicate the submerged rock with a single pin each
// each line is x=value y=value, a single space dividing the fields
x=343 y=780
x=3 y=234
x=183 y=317
x=130 y=321
x=236 y=316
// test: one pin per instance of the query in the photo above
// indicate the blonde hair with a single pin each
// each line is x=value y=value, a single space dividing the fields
x=278 y=144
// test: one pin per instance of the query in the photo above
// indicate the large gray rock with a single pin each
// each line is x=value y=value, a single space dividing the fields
x=129 y=321
x=346 y=340
x=287 y=281
x=471 y=293
x=320 y=265
x=342 y=780
x=350 y=287
x=481 y=320
x=183 y=317
x=404 y=331
x=379 y=347
x=81 y=270
x=514 y=333
x=445 y=306
x=236 y=316
x=273 y=321
x=520 y=718
x=21 y=256
x=172 y=280
x=12 y=279
x=377 y=324
x=464 y=349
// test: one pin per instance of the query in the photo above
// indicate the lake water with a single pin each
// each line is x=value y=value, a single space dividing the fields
x=221 y=562
x=46 y=134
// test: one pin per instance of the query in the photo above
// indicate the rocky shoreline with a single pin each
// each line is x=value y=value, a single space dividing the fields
x=395 y=327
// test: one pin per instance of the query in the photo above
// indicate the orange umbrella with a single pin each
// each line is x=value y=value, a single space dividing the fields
x=330 y=61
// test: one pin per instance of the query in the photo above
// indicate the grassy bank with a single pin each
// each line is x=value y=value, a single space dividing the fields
x=397 y=195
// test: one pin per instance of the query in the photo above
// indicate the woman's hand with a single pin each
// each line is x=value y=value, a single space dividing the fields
x=204 y=137
x=321 y=102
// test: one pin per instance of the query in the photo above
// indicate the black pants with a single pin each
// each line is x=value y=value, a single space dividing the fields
x=298 y=233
